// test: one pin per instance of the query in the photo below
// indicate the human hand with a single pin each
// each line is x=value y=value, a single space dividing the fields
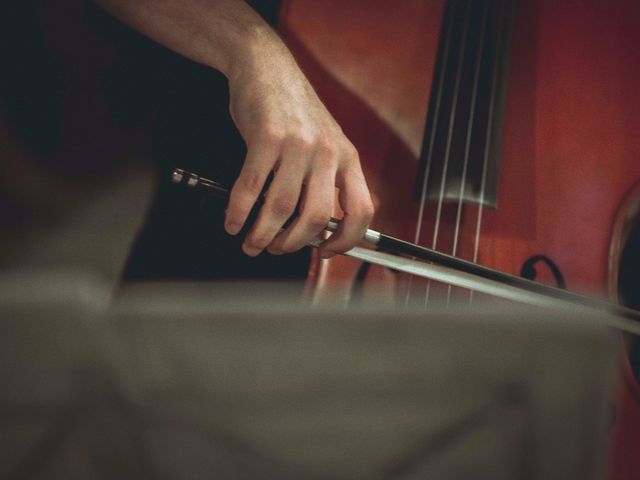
x=289 y=131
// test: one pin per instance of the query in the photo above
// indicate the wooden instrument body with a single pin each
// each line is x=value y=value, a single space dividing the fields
x=570 y=151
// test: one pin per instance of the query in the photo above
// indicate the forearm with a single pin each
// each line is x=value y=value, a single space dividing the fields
x=227 y=35
x=286 y=127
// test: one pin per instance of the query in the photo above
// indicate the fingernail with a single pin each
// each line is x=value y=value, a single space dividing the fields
x=274 y=251
x=232 y=228
x=251 y=251
x=326 y=254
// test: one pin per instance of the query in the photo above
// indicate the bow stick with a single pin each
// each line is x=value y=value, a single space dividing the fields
x=424 y=262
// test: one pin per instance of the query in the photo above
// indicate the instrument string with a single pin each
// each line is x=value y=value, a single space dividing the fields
x=432 y=137
x=470 y=128
x=447 y=155
x=487 y=147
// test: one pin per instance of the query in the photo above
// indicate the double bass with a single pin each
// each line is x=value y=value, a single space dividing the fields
x=505 y=133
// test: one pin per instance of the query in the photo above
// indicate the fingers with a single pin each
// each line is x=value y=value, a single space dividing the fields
x=280 y=202
x=260 y=160
x=358 y=211
x=315 y=212
x=320 y=177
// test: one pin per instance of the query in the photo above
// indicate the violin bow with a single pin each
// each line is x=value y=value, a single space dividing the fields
x=424 y=262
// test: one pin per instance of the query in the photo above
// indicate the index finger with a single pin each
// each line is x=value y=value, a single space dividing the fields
x=260 y=160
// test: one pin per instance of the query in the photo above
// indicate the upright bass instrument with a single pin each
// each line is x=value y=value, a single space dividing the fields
x=501 y=132
x=499 y=139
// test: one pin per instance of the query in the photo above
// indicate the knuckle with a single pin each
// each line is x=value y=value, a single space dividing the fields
x=289 y=246
x=283 y=206
x=364 y=211
x=251 y=183
x=350 y=152
x=368 y=210
x=327 y=156
x=317 y=220
x=272 y=135
x=237 y=209
x=259 y=240
x=319 y=223
x=302 y=141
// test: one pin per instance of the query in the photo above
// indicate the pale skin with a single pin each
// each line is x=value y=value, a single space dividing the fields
x=286 y=127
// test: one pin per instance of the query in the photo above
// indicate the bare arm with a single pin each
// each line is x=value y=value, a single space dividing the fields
x=286 y=127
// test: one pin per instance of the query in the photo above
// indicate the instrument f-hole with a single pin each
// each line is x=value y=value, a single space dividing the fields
x=528 y=269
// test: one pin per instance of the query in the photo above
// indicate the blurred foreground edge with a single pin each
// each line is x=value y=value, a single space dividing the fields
x=244 y=381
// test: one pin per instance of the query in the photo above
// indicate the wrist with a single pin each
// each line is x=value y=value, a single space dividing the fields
x=255 y=49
